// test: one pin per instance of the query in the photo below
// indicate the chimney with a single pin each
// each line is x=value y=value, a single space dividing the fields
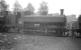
x=61 y=11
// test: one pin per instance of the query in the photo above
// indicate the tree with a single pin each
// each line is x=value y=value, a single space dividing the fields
x=17 y=11
x=3 y=10
x=3 y=5
x=30 y=9
x=17 y=7
x=43 y=10
x=79 y=21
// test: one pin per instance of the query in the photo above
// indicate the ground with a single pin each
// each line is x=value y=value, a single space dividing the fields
x=35 y=42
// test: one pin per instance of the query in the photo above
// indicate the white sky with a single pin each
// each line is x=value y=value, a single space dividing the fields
x=70 y=6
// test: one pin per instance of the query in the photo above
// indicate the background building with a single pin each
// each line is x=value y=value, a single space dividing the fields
x=71 y=18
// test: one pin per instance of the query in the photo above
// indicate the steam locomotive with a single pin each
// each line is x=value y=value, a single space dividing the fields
x=43 y=25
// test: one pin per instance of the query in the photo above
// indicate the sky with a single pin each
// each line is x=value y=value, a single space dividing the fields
x=69 y=6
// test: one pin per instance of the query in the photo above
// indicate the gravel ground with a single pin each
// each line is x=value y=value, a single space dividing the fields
x=32 y=42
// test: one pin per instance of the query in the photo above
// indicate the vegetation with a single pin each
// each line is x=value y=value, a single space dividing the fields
x=43 y=10
x=3 y=5
x=29 y=9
